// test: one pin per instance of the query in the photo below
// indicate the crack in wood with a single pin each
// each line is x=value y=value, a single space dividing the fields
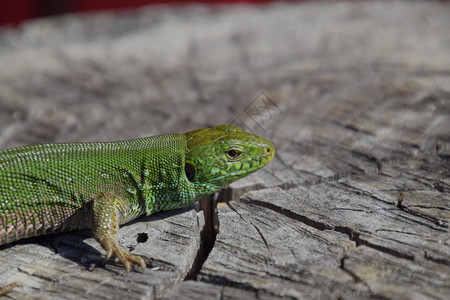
x=312 y=182
x=351 y=127
x=356 y=278
x=207 y=235
x=361 y=192
x=409 y=218
x=386 y=250
x=441 y=261
x=162 y=265
x=438 y=186
x=224 y=281
x=434 y=220
x=398 y=231
x=288 y=213
x=352 y=234
x=254 y=226
x=401 y=206
x=429 y=207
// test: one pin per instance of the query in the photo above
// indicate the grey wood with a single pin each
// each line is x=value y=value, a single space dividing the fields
x=354 y=95
x=70 y=266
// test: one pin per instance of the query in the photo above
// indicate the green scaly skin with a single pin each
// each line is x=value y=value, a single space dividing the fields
x=66 y=186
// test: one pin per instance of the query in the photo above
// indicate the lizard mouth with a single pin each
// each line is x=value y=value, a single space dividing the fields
x=257 y=163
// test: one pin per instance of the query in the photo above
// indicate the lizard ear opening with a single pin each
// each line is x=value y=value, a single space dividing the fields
x=190 y=171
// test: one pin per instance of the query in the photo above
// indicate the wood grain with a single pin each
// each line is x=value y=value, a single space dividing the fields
x=354 y=96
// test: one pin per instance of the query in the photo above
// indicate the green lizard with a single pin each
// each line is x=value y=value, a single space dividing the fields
x=67 y=186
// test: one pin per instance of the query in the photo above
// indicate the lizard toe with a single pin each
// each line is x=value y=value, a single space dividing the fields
x=127 y=259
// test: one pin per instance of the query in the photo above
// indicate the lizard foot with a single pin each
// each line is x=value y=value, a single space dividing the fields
x=113 y=248
x=7 y=288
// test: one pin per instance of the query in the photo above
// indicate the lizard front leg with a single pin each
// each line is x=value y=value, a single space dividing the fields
x=106 y=215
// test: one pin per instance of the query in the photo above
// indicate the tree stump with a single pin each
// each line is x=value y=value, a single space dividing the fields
x=354 y=96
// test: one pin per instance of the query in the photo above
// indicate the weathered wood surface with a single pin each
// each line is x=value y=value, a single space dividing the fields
x=356 y=202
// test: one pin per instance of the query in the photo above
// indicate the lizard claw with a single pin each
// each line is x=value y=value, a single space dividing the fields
x=7 y=288
x=127 y=259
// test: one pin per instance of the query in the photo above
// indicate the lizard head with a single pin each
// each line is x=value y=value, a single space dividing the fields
x=217 y=156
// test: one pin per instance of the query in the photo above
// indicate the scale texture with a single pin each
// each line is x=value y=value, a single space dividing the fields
x=59 y=187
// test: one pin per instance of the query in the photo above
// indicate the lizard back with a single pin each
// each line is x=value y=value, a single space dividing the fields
x=50 y=187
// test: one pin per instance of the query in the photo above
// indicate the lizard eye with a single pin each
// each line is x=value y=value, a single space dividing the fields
x=233 y=154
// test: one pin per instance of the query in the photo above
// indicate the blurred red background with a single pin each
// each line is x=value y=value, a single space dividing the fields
x=13 y=13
